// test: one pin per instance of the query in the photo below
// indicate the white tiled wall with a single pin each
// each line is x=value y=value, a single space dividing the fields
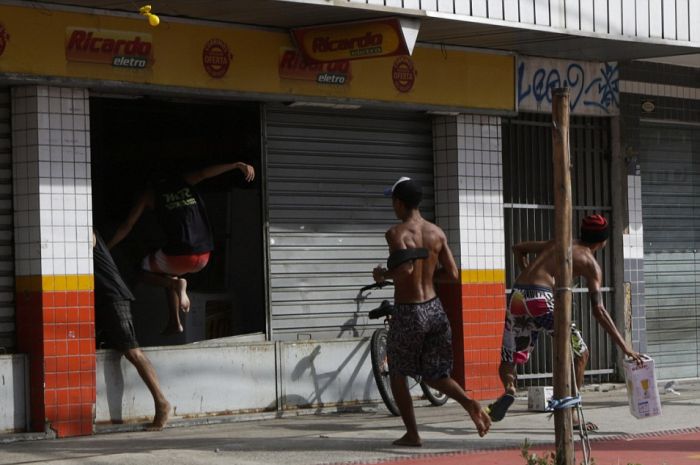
x=469 y=188
x=51 y=180
x=633 y=241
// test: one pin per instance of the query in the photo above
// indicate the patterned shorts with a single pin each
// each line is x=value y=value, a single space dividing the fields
x=420 y=341
x=531 y=310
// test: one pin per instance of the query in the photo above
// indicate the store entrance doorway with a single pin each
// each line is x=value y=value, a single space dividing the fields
x=136 y=140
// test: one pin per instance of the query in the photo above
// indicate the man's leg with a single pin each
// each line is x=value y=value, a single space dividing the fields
x=175 y=290
x=497 y=410
x=402 y=396
x=506 y=371
x=580 y=362
x=148 y=375
x=453 y=390
x=174 y=325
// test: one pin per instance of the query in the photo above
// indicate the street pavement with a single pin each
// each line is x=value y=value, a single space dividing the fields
x=364 y=435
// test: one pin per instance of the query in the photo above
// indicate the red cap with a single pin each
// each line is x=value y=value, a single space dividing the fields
x=594 y=228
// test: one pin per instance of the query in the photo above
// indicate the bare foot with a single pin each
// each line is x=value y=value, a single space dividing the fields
x=172 y=329
x=590 y=426
x=479 y=417
x=181 y=287
x=408 y=441
x=161 y=417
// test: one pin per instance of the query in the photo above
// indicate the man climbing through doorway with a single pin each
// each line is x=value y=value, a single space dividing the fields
x=114 y=324
x=181 y=213
x=419 y=343
x=531 y=307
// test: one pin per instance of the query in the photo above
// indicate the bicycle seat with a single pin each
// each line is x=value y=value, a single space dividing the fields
x=401 y=256
x=385 y=309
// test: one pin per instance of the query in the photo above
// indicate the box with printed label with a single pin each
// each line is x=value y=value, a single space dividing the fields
x=642 y=391
x=538 y=397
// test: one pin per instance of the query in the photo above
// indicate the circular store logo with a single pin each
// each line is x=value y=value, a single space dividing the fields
x=4 y=38
x=403 y=74
x=648 y=106
x=216 y=58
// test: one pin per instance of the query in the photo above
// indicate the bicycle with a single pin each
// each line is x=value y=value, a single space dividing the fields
x=380 y=364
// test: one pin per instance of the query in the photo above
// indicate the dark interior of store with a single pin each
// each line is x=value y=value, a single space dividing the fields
x=135 y=140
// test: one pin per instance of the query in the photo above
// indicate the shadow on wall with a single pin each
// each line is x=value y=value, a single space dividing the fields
x=114 y=388
x=336 y=385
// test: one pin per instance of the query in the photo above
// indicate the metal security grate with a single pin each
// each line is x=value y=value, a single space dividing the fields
x=670 y=206
x=529 y=216
x=326 y=174
x=7 y=261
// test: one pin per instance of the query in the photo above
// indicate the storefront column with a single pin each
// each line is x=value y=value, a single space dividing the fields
x=469 y=207
x=53 y=250
x=633 y=243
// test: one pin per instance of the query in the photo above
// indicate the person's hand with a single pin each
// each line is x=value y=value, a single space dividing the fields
x=378 y=273
x=248 y=172
x=636 y=356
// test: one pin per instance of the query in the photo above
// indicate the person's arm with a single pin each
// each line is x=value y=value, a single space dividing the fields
x=381 y=274
x=198 y=176
x=523 y=249
x=593 y=276
x=145 y=201
x=448 y=271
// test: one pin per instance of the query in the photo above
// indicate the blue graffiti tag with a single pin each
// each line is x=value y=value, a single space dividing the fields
x=601 y=92
x=608 y=88
x=576 y=76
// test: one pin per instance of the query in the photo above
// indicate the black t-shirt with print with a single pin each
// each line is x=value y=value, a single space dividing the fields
x=182 y=215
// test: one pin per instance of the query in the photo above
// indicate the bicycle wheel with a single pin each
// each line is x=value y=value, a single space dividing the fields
x=380 y=369
x=435 y=397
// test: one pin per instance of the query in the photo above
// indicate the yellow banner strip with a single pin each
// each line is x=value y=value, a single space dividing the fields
x=483 y=276
x=52 y=283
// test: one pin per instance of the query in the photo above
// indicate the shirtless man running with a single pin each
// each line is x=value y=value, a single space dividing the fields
x=419 y=341
x=532 y=305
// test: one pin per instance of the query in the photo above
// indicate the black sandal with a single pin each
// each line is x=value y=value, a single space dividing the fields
x=497 y=410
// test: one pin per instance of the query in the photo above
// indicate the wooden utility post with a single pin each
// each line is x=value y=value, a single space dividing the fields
x=563 y=428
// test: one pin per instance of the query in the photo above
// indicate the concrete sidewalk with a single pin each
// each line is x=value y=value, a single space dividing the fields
x=361 y=436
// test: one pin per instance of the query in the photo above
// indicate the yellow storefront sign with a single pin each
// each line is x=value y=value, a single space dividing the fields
x=71 y=45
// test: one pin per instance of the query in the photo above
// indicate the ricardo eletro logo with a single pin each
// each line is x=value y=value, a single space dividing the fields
x=350 y=41
x=293 y=66
x=216 y=58
x=120 y=49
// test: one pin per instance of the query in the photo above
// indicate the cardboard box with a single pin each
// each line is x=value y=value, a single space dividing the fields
x=642 y=391
x=538 y=397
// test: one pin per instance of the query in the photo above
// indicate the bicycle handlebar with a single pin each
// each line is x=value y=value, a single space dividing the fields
x=381 y=285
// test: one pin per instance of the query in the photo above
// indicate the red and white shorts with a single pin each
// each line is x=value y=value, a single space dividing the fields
x=175 y=265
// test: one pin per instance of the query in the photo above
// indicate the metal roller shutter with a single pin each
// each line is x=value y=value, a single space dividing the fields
x=670 y=162
x=326 y=173
x=7 y=264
